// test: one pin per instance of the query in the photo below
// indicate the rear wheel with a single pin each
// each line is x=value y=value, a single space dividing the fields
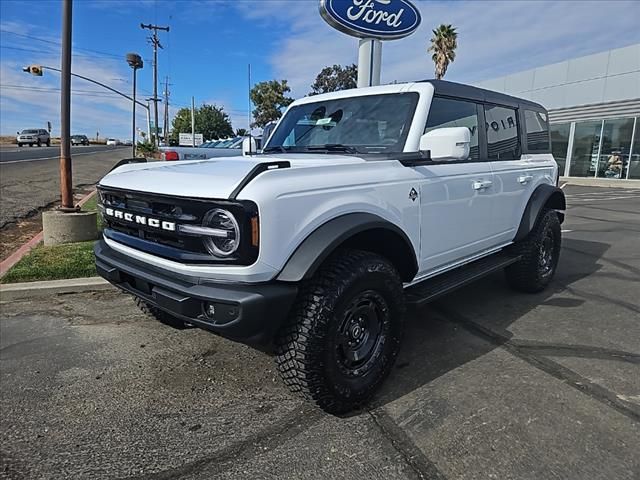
x=344 y=331
x=160 y=315
x=540 y=252
x=39 y=143
x=48 y=142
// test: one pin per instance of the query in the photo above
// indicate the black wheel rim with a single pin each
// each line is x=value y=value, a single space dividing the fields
x=547 y=253
x=361 y=333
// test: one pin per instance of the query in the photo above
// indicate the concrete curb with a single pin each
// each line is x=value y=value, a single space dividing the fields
x=17 y=291
x=600 y=182
x=16 y=256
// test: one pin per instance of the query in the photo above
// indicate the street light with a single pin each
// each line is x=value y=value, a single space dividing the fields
x=135 y=62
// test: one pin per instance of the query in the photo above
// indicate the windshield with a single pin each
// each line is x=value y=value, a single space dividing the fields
x=367 y=124
x=29 y=131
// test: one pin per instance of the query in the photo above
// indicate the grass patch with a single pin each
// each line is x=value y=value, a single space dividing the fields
x=71 y=260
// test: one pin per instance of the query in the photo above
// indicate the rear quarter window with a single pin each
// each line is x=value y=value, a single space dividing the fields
x=537 y=129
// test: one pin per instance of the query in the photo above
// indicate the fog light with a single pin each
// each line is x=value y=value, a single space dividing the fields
x=210 y=310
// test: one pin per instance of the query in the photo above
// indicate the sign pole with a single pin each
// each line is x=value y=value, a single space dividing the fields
x=369 y=62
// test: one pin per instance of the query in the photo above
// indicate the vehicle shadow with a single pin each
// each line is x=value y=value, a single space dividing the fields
x=438 y=340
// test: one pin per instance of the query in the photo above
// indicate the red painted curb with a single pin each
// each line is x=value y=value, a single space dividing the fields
x=16 y=256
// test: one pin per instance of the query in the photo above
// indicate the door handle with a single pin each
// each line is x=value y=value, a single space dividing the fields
x=482 y=184
x=524 y=179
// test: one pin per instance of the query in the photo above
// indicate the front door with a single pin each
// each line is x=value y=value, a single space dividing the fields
x=456 y=197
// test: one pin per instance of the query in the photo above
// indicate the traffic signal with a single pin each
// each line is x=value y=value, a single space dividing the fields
x=33 y=70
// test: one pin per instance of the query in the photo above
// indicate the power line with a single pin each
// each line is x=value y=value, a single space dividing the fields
x=56 y=43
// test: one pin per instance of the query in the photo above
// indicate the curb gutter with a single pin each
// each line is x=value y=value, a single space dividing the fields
x=17 y=291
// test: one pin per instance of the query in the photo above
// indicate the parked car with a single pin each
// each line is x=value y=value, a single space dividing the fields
x=112 y=141
x=33 y=136
x=79 y=140
x=363 y=202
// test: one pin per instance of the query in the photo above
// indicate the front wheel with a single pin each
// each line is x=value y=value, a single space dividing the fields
x=540 y=252
x=48 y=143
x=39 y=143
x=344 y=331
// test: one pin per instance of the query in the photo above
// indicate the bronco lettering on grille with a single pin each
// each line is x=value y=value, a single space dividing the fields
x=140 y=220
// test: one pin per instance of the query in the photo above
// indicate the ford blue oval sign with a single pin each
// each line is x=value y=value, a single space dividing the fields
x=382 y=19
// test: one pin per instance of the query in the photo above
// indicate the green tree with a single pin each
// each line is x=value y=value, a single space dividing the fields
x=269 y=99
x=332 y=79
x=443 y=45
x=210 y=120
x=241 y=132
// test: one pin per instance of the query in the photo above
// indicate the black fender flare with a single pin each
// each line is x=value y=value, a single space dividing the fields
x=314 y=249
x=544 y=195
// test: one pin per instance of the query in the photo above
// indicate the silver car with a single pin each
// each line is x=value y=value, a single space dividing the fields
x=34 y=136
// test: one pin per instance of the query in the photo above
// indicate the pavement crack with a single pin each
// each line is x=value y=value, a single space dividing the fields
x=566 y=375
x=423 y=468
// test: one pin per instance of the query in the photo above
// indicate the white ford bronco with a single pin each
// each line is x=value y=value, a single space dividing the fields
x=362 y=203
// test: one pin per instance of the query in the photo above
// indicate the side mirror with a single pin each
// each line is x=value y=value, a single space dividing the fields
x=249 y=147
x=449 y=143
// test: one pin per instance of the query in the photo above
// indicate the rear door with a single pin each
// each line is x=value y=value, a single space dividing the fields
x=516 y=171
x=456 y=197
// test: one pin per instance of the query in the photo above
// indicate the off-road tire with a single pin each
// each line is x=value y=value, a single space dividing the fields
x=310 y=346
x=532 y=273
x=160 y=315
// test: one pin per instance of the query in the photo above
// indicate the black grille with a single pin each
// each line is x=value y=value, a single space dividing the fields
x=181 y=211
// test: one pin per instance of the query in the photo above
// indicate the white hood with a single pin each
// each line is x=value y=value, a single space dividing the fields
x=212 y=178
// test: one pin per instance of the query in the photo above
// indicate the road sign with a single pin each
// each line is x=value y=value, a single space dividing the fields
x=185 y=139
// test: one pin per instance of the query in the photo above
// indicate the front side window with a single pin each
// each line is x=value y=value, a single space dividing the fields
x=446 y=112
x=503 y=141
x=537 y=128
x=367 y=124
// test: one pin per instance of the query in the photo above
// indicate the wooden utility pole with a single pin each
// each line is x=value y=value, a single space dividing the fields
x=156 y=44
x=66 y=181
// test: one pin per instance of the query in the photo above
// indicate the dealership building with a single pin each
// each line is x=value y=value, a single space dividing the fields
x=594 y=110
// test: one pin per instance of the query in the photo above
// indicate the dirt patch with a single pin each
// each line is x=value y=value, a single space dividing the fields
x=13 y=235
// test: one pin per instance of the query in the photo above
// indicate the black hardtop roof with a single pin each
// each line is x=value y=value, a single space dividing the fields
x=453 y=89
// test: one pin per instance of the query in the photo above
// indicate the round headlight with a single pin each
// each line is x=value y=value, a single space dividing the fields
x=228 y=241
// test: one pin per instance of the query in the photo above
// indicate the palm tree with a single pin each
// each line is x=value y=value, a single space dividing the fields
x=443 y=45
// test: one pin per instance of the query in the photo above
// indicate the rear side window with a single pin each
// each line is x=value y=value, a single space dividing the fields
x=503 y=141
x=537 y=128
x=446 y=112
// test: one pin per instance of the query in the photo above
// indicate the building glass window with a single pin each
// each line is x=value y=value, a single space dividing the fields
x=616 y=144
x=586 y=143
x=537 y=128
x=634 y=162
x=560 y=143
x=503 y=141
x=445 y=112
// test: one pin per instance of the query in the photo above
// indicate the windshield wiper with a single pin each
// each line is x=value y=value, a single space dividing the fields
x=333 y=147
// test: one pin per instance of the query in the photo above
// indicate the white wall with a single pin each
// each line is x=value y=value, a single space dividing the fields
x=603 y=77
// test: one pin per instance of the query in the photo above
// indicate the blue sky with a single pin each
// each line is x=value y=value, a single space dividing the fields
x=211 y=43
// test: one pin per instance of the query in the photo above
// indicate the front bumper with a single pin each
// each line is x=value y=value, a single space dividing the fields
x=247 y=313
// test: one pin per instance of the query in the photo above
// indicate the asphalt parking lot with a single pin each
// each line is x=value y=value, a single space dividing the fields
x=491 y=384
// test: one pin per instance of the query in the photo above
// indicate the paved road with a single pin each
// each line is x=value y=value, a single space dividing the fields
x=15 y=154
x=30 y=182
x=489 y=384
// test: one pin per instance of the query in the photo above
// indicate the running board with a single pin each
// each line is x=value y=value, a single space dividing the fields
x=432 y=288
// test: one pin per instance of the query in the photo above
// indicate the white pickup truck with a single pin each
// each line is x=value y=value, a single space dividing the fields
x=224 y=148
x=363 y=202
